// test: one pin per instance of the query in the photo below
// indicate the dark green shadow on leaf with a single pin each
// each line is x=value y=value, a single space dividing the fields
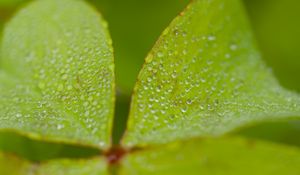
x=37 y=150
x=287 y=132
x=134 y=26
x=205 y=77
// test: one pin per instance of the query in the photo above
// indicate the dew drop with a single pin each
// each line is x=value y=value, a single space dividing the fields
x=85 y=104
x=160 y=54
x=87 y=113
x=174 y=75
x=64 y=76
x=227 y=55
x=18 y=115
x=211 y=38
x=189 y=101
x=233 y=47
x=60 y=126
x=184 y=110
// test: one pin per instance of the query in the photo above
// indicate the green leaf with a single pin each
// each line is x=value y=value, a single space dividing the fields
x=205 y=77
x=57 y=78
x=221 y=156
x=95 y=166
x=133 y=34
x=14 y=166
x=35 y=150
x=10 y=3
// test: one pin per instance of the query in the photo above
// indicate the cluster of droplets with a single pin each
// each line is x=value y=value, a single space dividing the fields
x=179 y=86
x=68 y=69
x=197 y=83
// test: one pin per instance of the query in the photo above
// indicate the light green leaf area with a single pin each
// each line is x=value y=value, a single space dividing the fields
x=205 y=77
x=14 y=166
x=10 y=164
x=215 y=156
x=95 y=166
x=57 y=79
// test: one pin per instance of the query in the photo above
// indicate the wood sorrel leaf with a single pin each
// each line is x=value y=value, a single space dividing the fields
x=57 y=80
x=221 y=156
x=133 y=34
x=204 y=77
x=38 y=151
x=10 y=164
x=94 y=166
x=14 y=166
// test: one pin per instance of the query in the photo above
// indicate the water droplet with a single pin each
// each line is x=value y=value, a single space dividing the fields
x=160 y=54
x=64 y=76
x=158 y=88
x=95 y=103
x=233 y=47
x=183 y=110
x=189 y=101
x=87 y=113
x=202 y=80
x=211 y=38
x=174 y=74
x=85 y=104
x=227 y=55
x=60 y=126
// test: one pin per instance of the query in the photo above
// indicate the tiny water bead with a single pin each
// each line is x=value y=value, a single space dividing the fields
x=60 y=126
x=184 y=110
x=233 y=47
x=211 y=38
x=160 y=54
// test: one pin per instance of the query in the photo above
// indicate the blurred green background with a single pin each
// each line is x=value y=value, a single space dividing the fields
x=135 y=25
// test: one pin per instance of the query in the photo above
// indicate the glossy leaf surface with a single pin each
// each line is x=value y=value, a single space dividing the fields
x=205 y=77
x=221 y=156
x=57 y=79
